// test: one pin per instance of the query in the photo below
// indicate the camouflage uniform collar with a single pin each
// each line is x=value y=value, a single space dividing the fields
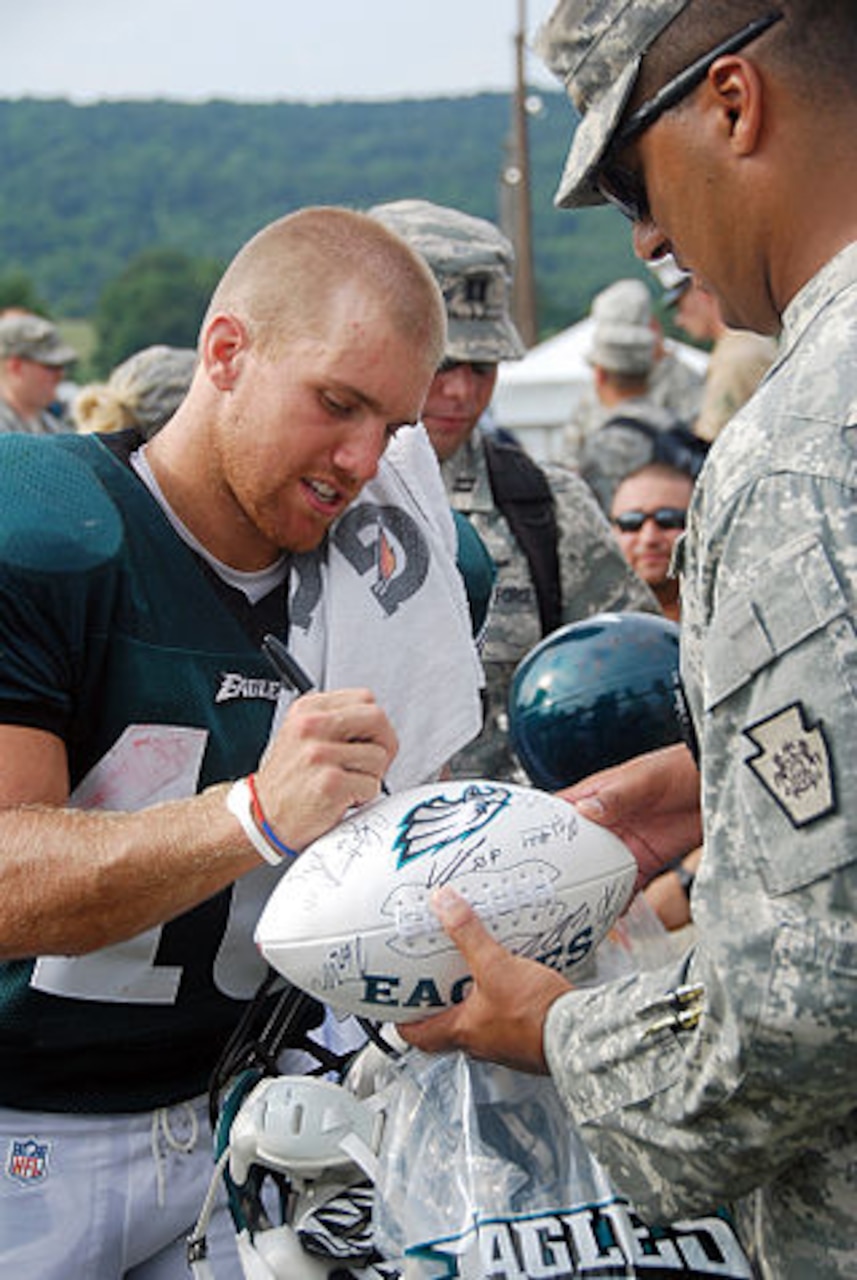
x=837 y=275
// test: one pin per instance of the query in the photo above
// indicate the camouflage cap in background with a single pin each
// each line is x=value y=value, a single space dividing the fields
x=34 y=338
x=595 y=48
x=153 y=383
x=143 y=391
x=625 y=301
x=623 y=340
x=473 y=263
x=623 y=348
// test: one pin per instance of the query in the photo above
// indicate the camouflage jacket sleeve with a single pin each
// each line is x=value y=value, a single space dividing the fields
x=734 y=1071
x=595 y=576
x=745 y=1076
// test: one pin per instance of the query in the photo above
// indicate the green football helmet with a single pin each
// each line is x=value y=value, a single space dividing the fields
x=595 y=693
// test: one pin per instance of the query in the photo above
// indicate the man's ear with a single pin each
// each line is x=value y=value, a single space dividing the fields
x=223 y=347
x=739 y=91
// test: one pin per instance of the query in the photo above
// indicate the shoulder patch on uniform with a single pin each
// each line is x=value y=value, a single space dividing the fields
x=793 y=764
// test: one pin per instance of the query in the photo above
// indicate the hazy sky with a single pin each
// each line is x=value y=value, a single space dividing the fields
x=258 y=50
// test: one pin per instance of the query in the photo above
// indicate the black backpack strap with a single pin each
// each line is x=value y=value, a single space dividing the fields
x=635 y=424
x=523 y=495
x=678 y=445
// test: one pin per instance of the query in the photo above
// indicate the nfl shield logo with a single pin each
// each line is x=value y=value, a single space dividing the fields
x=27 y=1161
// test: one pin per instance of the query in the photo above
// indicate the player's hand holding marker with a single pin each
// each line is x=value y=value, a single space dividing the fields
x=330 y=754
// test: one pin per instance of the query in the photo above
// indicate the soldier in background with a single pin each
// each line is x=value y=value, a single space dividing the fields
x=33 y=361
x=621 y=435
x=556 y=558
x=671 y=383
x=739 y=359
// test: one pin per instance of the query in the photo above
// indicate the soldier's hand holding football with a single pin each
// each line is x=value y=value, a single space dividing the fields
x=502 y=1016
x=651 y=802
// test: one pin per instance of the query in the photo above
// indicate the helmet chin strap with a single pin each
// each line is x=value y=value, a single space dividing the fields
x=273 y=1255
x=197 y=1242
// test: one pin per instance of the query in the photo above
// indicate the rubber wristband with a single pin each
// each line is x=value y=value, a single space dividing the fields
x=262 y=822
x=239 y=802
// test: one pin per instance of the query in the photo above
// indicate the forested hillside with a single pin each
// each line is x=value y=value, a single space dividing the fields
x=86 y=188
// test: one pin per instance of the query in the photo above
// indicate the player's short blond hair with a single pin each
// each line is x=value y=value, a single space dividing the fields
x=281 y=283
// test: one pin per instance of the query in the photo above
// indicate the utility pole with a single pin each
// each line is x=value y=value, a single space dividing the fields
x=517 y=176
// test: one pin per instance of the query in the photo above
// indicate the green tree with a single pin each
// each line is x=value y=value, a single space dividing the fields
x=18 y=290
x=86 y=188
x=161 y=296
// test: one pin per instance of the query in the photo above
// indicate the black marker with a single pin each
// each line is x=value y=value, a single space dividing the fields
x=289 y=671
x=292 y=673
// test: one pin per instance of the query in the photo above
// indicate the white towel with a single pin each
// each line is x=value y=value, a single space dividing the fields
x=384 y=607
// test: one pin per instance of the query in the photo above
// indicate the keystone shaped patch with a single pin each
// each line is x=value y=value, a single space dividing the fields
x=793 y=764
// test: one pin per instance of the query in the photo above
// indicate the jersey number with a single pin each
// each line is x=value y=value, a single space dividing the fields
x=149 y=764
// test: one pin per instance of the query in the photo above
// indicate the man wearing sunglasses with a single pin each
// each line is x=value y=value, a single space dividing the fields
x=726 y=130
x=648 y=512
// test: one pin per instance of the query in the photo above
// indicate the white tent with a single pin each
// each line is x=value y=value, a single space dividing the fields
x=534 y=397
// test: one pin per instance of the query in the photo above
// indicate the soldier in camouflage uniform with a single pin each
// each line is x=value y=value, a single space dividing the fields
x=673 y=390
x=33 y=360
x=731 y=1075
x=622 y=435
x=473 y=263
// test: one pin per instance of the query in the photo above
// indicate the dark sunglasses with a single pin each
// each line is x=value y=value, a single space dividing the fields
x=664 y=518
x=481 y=368
x=624 y=188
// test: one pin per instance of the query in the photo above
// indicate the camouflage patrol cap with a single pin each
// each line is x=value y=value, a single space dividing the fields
x=623 y=347
x=472 y=262
x=623 y=339
x=34 y=338
x=595 y=48
x=143 y=391
x=627 y=301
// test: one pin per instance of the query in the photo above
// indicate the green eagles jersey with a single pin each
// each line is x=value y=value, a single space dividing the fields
x=116 y=637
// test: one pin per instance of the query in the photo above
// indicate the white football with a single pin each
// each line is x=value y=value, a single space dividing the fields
x=351 y=922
